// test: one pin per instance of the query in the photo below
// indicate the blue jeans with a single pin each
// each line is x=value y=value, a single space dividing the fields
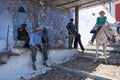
x=34 y=52
x=94 y=35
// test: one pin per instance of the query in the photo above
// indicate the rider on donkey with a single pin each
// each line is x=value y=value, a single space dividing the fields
x=99 y=23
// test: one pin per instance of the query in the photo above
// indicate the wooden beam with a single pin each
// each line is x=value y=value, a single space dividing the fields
x=80 y=5
x=76 y=16
x=71 y=2
x=82 y=73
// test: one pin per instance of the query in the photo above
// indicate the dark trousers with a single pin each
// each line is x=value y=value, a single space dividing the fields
x=34 y=52
x=94 y=34
x=78 y=40
x=26 y=39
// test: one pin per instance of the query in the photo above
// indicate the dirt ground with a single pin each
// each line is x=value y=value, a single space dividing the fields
x=99 y=68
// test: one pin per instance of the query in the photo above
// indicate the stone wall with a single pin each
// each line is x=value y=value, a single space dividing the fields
x=36 y=15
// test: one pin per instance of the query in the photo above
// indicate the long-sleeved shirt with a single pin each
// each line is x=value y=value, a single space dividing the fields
x=70 y=26
x=35 y=39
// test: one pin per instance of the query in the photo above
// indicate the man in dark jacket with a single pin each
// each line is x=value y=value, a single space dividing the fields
x=23 y=35
x=71 y=31
x=78 y=40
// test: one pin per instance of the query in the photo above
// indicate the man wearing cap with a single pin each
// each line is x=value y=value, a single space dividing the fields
x=36 y=45
x=99 y=23
x=72 y=31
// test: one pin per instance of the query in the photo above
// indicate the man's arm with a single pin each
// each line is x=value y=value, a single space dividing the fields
x=32 y=43
x=68 y=28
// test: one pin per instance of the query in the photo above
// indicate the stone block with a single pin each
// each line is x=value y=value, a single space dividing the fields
x=19 y=43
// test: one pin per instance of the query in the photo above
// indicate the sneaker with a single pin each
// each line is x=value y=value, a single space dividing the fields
x=34 y=67
x=90 y=42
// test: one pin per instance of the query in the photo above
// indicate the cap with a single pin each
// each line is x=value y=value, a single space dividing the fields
x=38 y=29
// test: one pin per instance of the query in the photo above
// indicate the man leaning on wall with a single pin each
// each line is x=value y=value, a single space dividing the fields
x=72 y=32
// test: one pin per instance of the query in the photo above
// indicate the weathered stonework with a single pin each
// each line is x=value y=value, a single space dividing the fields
x=36 y=15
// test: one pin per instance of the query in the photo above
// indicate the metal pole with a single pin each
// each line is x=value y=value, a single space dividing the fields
x=7 y=45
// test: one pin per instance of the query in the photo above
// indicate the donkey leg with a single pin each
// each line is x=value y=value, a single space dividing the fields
x=97 y=50
x=104 y=52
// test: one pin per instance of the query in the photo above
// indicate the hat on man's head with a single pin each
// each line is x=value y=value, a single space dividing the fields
x=71 y=19
x=38 y=29
x=101 y=12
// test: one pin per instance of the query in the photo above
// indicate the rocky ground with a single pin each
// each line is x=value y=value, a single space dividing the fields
x=99 y=68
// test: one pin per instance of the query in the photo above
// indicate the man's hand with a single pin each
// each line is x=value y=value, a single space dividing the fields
x=70 y=32
x=37 y=48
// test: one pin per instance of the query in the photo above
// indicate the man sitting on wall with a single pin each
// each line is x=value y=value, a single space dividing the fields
x=23 y=35
x=45 y=38
x=36 y=45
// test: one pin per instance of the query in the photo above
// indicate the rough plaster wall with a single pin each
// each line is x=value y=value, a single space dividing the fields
x=6 y=29
x=39 y=16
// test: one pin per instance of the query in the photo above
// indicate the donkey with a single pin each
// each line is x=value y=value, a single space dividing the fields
x=102 y=39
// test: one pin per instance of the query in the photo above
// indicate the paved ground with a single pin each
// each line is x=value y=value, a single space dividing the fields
x=99 y=68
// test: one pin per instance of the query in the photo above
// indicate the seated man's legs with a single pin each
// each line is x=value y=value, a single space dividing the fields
x=34 y=52
x=45 y=55
x=93 y=38
x=94 y=35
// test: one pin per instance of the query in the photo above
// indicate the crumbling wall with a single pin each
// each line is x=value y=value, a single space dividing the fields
x=36 y=15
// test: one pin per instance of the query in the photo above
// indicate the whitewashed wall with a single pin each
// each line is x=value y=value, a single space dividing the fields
x=6 y=29
x=53 y=19
x=87 y=20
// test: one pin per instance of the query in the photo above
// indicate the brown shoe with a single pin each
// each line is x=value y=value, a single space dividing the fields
x=34 y=67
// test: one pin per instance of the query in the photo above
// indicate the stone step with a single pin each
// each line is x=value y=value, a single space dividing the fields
x=2 y=62
x=109 y=49
x=112 y=51
x=4 y=56
x=114 y=45
x=100 y=54
x=19 y=67
x=100 y=59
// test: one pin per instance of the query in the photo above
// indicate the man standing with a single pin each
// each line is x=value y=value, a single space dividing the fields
x=36 y=45
x=78 y=40
x=72 y=31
